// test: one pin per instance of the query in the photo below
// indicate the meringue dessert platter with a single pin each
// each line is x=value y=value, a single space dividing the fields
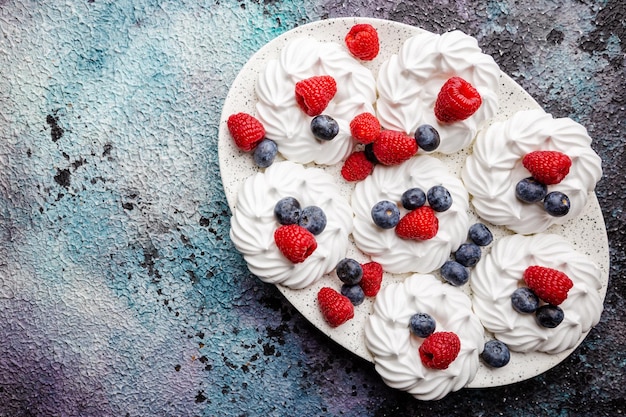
x=414 y=203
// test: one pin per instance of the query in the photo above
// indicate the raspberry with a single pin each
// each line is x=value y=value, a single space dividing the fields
x=336 y=308
x=372 y=278
x=295 y=242
x=549 y=284
x=313 y=94
x=393 y=147
x=457 y=100
x=357 y=167
x=547 y=167
x=362 y=41
x=418 y=224
x=246 y=130
x=440 y=349
x=365 y=128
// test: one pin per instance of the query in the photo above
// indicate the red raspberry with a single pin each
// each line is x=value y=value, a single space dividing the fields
x=372 y=278
x=457 y=100
x=357 y=167
x=440 y=349
x=295 y=242
x=365 y=128
x=547 y=167
x=246 y=130
x=549 y=284
x=418 y=224
x=393 y=147
x=313 y=94
x=336 y=308
x=362 y=41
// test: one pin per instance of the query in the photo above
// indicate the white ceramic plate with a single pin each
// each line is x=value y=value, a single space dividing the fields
x=587 y=233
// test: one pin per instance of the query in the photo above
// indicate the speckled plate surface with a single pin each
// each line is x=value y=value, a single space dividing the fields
x=236 y=166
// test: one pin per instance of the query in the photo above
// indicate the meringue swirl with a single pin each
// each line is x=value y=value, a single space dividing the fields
x=409 y=82
x=398 y=255
x=500 y=273
x=253 y=223
x=287 y=124
x=395 y=349
x=495 y=167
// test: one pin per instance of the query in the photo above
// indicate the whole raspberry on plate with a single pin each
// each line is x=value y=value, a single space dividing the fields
x=551 y=285
x=418 y=224
x=394 y=147
x=335 y=307
x=440 y=349
x=365 y=128
x=457 y=100
x=362 y=41
x=357 y=167
x=547 y=167
x=295 y=242
x=313 y=94
x=246 y=130
x=372 y=278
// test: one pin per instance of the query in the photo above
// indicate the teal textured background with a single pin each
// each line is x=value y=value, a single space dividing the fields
x=120 y=291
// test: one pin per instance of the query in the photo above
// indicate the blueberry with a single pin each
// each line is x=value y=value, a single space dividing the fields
x=369 y=153
x=468 y=254
x=549 y=316
x=287 y=211
x=439 y=198
x=496 y=354
x=349 y=271
x=455 y=273
x=427 y=138
x=422 y=324
x=480 y=234
x=313 y=219
x=413 y=198
x=265 y=152
x=354 y=293
x=556 y=204
x=324 y=127
x=524 y=300
x=529 y=190
x=386 y=214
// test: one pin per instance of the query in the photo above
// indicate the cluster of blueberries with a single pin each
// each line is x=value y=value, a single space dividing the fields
x=555 y=203
x=386 y=214
x=350 y=273
x=525 y=301
x=456 y=271
x=288 y=211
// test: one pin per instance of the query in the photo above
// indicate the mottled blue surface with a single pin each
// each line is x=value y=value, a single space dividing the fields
x=120 y=292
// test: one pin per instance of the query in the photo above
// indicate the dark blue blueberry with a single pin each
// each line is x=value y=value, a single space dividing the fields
x=265 y=153
x=413 y=198
x=439 y=198
x=349 y=271
x=455 y=273
x=529 y=190
x=524 y=300
x=422 y=324
x=480 y=234
x=287 y=211
x=313 y=219
x=386 y=214
x=496 y=354
x=427 y=138
x=549 y=316
x=468 y=254
x=354 y=293
x=369 y=153
x=324 y=127
x=556 y=204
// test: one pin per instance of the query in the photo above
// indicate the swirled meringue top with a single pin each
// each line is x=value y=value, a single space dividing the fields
x=253 y=223
x=395 y=349
x=287 y=124
x=495 y=167
x=398 y=255
x=500 y=273
x=409 y=82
